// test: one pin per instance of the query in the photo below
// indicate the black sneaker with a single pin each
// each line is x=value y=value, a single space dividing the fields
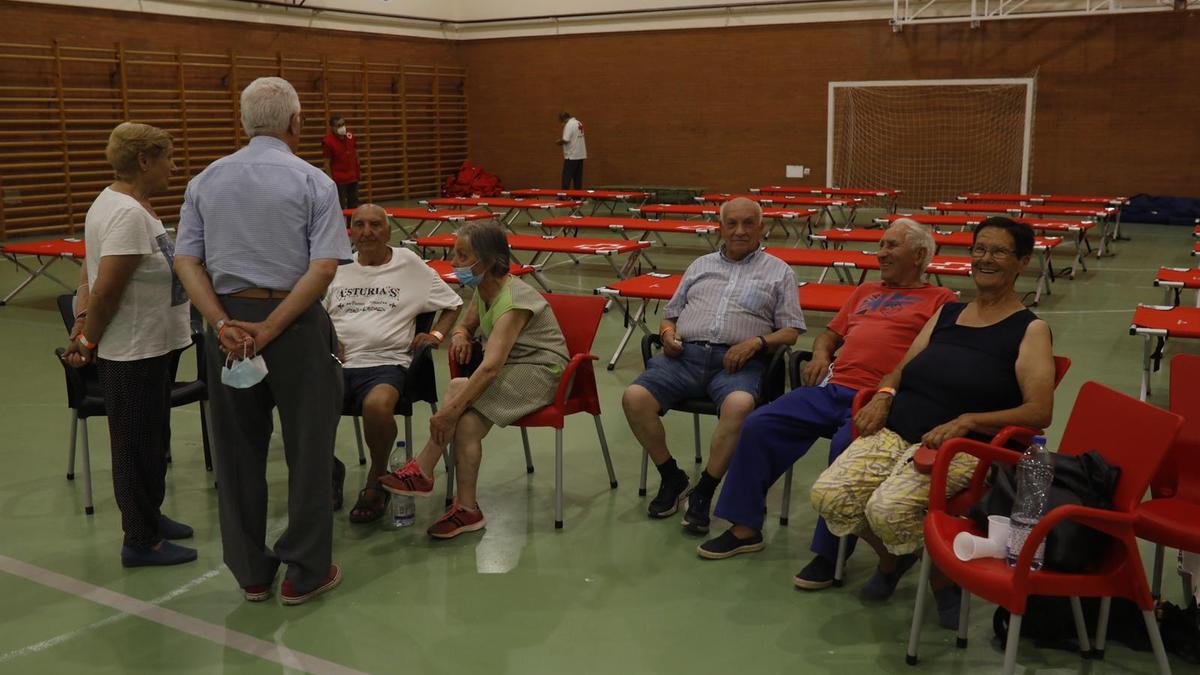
x=728 y=545
x=949 y=603
x=881 y=585
x=816 y=575
x=670 y=492
x=695 y=519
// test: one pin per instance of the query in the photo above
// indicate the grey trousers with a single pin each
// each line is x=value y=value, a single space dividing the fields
x=305 y=384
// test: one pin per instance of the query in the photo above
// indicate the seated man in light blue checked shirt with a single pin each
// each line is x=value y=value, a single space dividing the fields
x=261 y=235
x=732 y=308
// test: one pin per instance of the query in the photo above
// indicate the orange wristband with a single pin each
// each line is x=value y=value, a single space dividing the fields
x=886 y=390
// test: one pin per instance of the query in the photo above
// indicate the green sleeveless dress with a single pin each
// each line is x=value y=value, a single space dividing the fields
x=527 y=381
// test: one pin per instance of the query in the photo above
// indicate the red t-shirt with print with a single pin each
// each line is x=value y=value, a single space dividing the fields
x=878 y=325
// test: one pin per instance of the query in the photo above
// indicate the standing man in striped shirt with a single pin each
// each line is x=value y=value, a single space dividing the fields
x=731 y=310
x=261 y=235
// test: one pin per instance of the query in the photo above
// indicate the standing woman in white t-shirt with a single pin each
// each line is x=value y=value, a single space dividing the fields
x=135 y=314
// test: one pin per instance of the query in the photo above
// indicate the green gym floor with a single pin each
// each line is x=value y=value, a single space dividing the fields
x=612 y=592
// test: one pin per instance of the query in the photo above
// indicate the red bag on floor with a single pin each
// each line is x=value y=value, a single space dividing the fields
x=472 y=181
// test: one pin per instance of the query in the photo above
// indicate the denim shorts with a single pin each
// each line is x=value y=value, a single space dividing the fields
x=360 y=381
x=698 y=373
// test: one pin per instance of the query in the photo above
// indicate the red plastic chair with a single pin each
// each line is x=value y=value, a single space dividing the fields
x=1012 y=437
x=1172 y=517
x=578 y=318
x=1130 y=434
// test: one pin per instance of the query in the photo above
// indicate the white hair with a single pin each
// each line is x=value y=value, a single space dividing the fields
x=918 y=235
x=268 y=104
x=758 y=212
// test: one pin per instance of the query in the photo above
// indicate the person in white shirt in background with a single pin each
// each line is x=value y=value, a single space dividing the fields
x=374 y=302
x=574 y=151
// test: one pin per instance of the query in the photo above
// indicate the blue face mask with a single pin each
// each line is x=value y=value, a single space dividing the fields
x=244 y=373
x=467 y=277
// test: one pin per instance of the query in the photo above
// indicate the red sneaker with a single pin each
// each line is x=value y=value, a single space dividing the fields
x=256 y=592
x=456 y=521
x=407 y=480
x=290 y=596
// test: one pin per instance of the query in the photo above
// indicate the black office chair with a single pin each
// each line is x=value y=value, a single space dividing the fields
x=85 y=399
x=772 y=387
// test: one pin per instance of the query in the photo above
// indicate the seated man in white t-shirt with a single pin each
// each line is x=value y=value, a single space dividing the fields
x=374 y=302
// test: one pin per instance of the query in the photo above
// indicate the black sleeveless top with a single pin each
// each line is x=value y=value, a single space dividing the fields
x=961 y=370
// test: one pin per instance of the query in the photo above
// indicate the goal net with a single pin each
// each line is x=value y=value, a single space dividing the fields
x=933 y=139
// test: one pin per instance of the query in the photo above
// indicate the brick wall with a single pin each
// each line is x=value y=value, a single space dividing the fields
x=1115 y=112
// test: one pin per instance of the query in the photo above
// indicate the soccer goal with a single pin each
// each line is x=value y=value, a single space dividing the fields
x=933 y=139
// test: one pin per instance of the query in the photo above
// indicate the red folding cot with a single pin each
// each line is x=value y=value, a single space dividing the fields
x=1156 y=324
x=1176 y=280
x=888 y=195
x=46 y=252
x=508 y=209
x=597 y=198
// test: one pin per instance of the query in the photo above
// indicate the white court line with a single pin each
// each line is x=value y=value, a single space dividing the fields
x=220 y=635
x=59 y=639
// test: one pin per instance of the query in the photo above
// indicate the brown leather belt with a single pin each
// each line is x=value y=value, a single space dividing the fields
x=261 y=294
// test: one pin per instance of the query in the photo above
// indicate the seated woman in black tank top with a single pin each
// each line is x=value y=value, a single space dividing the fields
x=974 y=369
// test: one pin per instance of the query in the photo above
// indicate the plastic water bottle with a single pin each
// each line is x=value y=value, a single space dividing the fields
x=402 y=508
x=1035 y=473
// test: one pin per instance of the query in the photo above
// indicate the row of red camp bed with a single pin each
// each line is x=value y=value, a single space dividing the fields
x=1157 y=323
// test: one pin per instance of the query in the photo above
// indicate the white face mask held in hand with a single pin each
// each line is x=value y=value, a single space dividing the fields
x=245 y=373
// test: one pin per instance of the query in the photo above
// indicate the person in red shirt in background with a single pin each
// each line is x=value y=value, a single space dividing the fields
x=341 y=161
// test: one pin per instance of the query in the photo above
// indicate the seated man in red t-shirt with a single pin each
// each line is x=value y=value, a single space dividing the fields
x=873 y=329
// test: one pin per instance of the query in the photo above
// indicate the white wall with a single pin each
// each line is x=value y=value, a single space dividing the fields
x=446 y=13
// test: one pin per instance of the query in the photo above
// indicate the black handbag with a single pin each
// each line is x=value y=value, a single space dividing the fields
x=1086 y=480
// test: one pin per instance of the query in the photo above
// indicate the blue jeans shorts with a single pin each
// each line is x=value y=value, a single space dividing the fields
x=698 y=373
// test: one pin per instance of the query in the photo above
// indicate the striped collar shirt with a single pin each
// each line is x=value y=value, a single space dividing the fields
x=726 y=302
x=258 y=217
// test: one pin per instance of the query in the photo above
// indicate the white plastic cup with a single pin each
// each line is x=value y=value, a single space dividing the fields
x=998 y=531
x=970 y=547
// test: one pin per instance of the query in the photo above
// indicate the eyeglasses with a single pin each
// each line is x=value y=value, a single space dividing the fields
x=998 y=253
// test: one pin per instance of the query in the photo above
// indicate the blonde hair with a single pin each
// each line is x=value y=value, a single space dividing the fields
x=130 y=139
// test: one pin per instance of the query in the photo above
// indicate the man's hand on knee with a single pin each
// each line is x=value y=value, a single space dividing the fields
x=737 y=355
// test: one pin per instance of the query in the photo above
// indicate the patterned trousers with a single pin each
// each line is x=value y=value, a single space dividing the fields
x=873 y=484
x=137 y=401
